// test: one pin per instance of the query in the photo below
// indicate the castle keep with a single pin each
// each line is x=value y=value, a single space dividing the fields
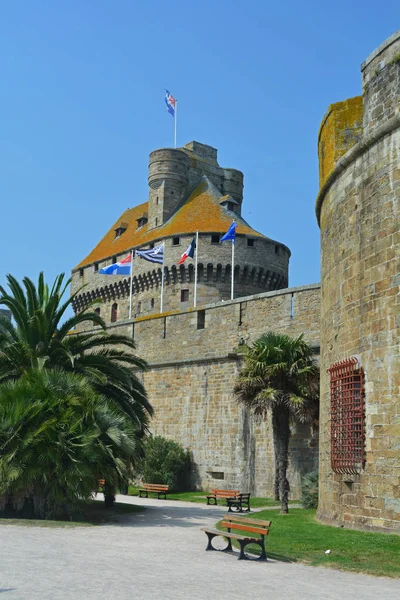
x=188 y=191
x=354 y=316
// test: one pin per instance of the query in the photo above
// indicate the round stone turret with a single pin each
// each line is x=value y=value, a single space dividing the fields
x=233 y=184
x=188 y=192
x=168 y=164
x=358 y=213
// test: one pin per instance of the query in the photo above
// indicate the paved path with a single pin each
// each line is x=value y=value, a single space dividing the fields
x=159 y=554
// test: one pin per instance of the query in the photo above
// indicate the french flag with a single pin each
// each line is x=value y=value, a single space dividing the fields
x=123 y=267
x=188 y=252
x=170 y=102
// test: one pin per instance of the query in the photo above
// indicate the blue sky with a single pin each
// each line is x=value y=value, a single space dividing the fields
x=82 y=107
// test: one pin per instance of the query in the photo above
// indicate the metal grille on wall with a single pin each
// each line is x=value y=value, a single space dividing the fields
x=347 y=417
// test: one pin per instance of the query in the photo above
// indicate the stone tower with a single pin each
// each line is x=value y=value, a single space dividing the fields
x=358 y=214
x=188 y=192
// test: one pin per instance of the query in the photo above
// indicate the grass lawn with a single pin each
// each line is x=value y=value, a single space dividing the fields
x=200 y=497
x=298 y=537
x=93 y=513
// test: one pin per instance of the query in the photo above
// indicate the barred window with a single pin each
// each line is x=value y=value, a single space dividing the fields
x=347 y=417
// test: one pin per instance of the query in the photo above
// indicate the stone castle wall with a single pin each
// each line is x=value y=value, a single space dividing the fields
x=358 y=209
x=191 y=377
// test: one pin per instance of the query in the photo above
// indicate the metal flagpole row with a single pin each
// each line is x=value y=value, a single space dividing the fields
x=131 y=287
x=195 y=269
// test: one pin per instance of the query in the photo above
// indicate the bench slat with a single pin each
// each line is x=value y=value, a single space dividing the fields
x=224 y=493
x=243 y=527
x=247 y=521
x=155 y=485
x=235 y=536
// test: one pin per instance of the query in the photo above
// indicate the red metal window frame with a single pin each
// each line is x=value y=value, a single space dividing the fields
x=347 y=417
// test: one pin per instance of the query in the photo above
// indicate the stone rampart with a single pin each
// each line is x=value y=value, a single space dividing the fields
x=190 y=381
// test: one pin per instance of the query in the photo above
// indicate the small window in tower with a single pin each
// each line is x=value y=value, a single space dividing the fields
x=156 y=222
x=80 y=272
x=172 y=192
x=114 y=312
x=139 y=307
x=175 y=241
x=113 y=260
x=96 y=267
x=276 y=249
x=215 y=238
x=184 y=295
x=157 y=200
x=151 y=245
x=152 y=303
x=201 y=319
x=250 y=242
x=231 y=206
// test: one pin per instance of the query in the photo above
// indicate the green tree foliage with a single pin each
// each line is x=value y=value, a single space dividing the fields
x=309 y=490
x=166 y=462
x=280 y=376
x=40 y=339
x=58 y=436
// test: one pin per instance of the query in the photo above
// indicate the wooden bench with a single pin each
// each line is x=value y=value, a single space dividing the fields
x=238 y=502
x=224 y=494
x=154 y=488
x=255 y=526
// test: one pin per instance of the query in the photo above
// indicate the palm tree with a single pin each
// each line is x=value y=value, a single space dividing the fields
x=279 y=376
x=57 y=438
x=41 y=339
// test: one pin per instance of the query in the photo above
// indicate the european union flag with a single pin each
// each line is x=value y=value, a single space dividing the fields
x=230 y=234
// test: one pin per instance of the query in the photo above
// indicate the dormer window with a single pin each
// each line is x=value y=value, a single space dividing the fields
x=142 y=220
x=122 y=227
x=229 y=203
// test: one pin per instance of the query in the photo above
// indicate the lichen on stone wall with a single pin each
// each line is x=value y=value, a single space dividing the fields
x=340 y=130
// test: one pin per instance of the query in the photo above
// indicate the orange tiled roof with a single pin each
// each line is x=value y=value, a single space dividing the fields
x=201 y=211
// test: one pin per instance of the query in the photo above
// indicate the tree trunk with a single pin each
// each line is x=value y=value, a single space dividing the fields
x=276 y=482
x=281 y=431
x=109 y=495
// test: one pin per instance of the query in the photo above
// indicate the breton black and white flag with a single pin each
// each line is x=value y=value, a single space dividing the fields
x=154 y=255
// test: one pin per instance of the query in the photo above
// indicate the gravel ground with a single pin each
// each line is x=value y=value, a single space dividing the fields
x=159 y=553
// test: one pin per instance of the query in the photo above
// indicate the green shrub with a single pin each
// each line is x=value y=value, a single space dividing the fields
x=166 y=462
x=309 y=490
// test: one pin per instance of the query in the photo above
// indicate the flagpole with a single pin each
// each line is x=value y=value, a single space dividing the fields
x=195 y=270
x=162 y=283
x=175 y=120
x=131 y=286
x=233 y=268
